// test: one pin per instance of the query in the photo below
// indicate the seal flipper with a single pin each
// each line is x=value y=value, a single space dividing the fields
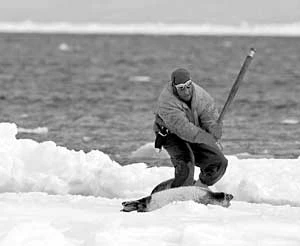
x=129 y=206
x=136 y=205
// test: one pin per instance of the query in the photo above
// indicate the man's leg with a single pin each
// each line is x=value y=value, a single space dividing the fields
x=181 y=160
x=211 y=161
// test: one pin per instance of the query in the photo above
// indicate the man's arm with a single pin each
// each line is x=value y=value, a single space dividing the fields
x=176 y=121
x=209 y=116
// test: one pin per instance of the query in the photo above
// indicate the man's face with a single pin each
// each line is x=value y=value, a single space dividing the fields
x=185 y=90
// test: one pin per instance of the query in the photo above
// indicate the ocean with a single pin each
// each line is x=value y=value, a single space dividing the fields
x=99 y=91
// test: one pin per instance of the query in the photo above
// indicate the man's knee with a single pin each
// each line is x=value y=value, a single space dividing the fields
x=214 y=172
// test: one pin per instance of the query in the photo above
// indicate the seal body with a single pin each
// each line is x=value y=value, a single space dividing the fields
x=184 y=193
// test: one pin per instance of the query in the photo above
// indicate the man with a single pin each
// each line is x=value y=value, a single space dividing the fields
x=186 y=126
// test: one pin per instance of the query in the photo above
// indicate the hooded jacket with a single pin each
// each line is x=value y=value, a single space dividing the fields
x=190 y=124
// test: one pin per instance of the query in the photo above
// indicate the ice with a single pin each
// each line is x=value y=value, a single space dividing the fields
x=77 y=220
x=140 y=79
x=38 y=130
x=148 y=151
x=64 y=47
x=44 y=234
x=26 y=165
x=290 y=121
x=51 y=195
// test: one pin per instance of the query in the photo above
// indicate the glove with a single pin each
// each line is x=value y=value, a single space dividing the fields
x=216 y=130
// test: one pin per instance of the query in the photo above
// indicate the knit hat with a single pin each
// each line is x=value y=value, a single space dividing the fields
x=180 y=76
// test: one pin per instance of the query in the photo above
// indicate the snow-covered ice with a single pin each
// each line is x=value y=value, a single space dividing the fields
x=54 y=196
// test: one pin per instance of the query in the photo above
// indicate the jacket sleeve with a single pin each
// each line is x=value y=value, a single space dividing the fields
x=176 y=121
x=209 y=115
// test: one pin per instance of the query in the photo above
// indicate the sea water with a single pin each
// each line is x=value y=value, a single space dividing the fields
x=99 y=92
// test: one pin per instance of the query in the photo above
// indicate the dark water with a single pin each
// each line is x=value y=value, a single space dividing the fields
x=89 y=97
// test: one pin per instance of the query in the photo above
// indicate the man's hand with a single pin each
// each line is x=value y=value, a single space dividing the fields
x=216 y=130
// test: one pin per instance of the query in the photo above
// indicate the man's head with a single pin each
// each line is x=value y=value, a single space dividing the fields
x=182 y=84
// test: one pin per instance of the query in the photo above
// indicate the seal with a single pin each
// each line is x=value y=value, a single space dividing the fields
x=184 y=193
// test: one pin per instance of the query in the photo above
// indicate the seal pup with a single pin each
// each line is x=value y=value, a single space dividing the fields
x=184 y=193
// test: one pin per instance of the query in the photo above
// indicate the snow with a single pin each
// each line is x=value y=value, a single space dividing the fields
x=270 y=29
x=54 y=196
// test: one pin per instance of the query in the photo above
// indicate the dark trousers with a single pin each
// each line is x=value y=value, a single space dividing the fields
x=211 y=161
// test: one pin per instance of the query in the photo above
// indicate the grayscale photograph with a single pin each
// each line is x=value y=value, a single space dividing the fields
x=149 y=123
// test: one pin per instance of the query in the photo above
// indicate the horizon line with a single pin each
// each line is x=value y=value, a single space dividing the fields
x=151 y=28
